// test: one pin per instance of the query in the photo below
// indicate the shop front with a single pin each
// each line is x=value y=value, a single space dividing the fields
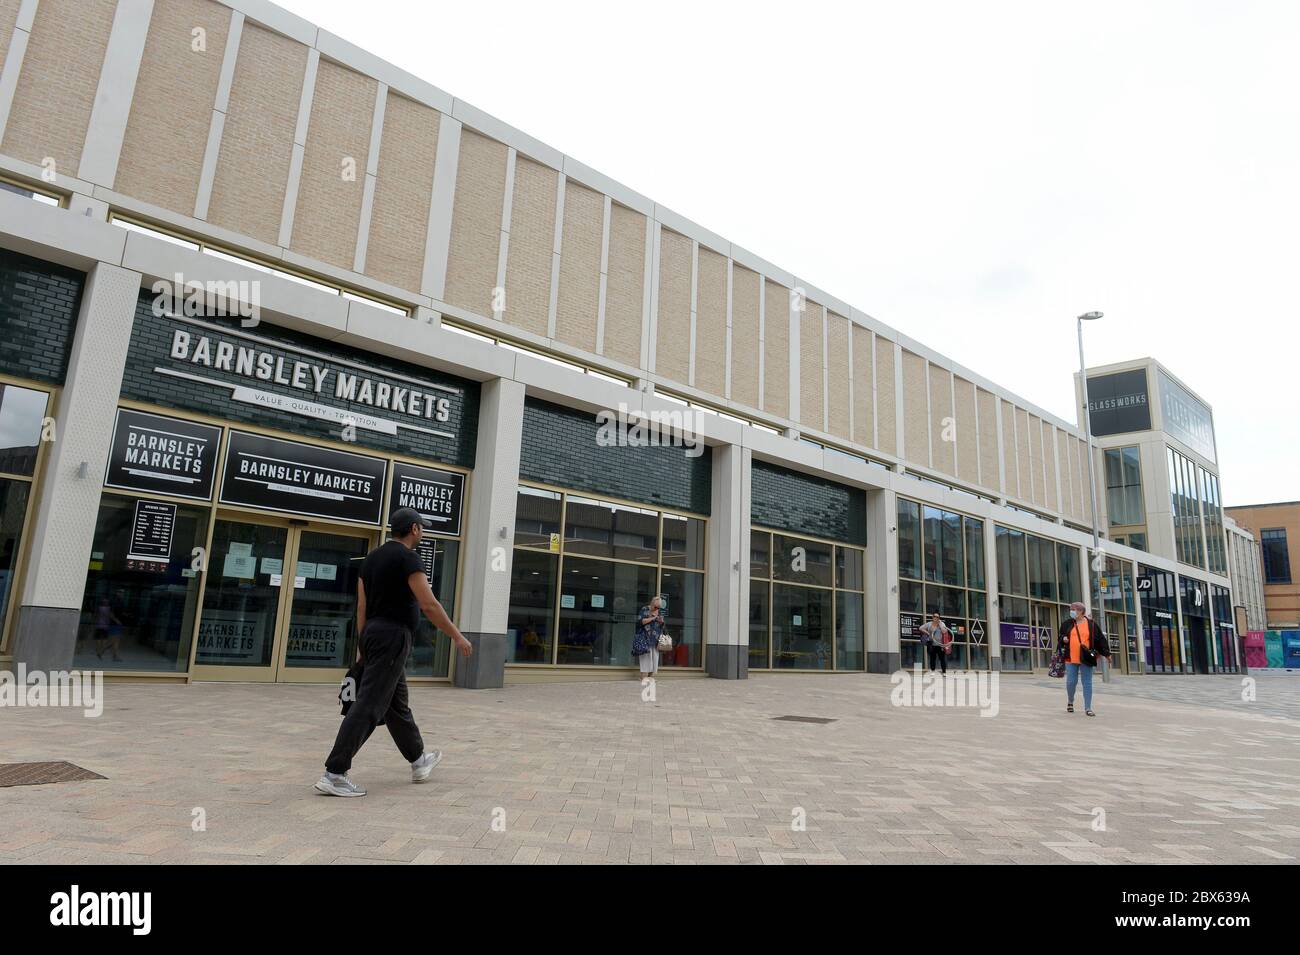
x=941 y=570
x=599 y=532
x=1158 y=602
x=807 y=600
x=1226 y=649
x=1120 y=623
x=1038 y=579
x=1195 y=597
x=39 y=304
x=227 y=546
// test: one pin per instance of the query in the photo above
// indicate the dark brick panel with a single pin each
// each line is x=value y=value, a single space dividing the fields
x=39 y=302
x=790 y=501
x=559 y=447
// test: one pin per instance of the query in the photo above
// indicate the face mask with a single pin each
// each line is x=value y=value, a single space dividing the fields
x=1074 y=615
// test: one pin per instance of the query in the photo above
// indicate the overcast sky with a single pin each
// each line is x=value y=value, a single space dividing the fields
x=972 y=174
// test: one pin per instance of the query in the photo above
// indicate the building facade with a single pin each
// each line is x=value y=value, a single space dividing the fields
x=259 y=287
x=1276 y=642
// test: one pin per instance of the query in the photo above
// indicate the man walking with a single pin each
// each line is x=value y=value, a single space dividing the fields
x=391 y=590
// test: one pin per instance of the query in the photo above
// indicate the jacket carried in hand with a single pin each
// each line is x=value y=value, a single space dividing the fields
x=1099 y=644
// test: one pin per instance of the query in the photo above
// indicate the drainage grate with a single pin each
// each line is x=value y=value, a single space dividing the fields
x=40 y=774
x=804 y=719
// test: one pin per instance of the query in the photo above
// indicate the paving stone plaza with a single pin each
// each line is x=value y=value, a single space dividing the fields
x=1177 y=770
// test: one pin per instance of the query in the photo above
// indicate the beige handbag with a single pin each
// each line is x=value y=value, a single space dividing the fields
x=665 y=643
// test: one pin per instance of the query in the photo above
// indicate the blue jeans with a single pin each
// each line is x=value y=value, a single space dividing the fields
x=1072 y=672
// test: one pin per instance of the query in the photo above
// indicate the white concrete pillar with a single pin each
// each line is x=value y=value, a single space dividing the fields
x=991 y=583
x=63 y=526
x=884 y=652
x=489 y=538
x=726 y=654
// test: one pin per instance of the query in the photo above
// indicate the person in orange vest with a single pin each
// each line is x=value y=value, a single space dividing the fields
x=1080 y=642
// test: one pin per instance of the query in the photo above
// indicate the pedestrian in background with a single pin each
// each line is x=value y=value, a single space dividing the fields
x=1080 y=643
x=937 y=639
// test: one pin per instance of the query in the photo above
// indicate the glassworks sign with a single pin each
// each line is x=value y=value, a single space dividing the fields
x=1119 y=403
x=1186 y=418
x=162 y=455
x=302 y=479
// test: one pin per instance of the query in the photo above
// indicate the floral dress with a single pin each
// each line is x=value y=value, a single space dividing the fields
x=646 y=641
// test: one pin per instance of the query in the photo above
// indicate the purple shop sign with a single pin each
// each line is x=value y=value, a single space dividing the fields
x=1013 y=635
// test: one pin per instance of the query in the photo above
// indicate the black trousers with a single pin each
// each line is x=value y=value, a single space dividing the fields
x=936 y=653
x=381 y=695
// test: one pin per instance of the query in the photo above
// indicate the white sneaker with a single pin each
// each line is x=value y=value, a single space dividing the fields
x=422 y=767
x=338 y=786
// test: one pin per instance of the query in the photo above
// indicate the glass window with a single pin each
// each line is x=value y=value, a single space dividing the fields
x=532 y=607
x=601 y=529
x=599 y=602
x=683 y=542
x=683 y=618
x=1277 y=559
x=21 y=413
x=141 y=619
x=849 y=632
x=909 y=539
x=13 y=514
x=537 y=517
x=758 y=636
x=431 y=648
x=760 y=554
x=910 y=596
x=1067 y=559
x=946 y=601
x=1124 y=486
x=1010 y=545
x=801 y=561
x=1042 y=568
x=974 y=553
x=848 y=568
x=943 y=546
x=801 y=622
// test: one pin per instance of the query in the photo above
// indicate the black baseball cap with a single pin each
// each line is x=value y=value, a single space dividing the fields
x=404 y=518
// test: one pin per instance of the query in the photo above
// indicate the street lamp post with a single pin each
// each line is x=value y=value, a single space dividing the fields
x=1093 y=573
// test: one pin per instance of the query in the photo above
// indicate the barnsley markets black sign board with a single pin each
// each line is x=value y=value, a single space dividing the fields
x=162 y=455
x=295 y=478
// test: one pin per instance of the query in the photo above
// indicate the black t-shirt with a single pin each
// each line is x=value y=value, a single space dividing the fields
x=384 y=573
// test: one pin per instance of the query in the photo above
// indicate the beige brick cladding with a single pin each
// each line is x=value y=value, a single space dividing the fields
x=711 y=323
x=403 y=184
x=625 y=286
x=532 y=247
x=56 y=88
x=943 y=430
x=745 y=344
x=257 y=143
x=673 y=352
x=776 y=349
x=837 y=376
x=812 y=404
x=886 y=396
x=967 y=432
x=334 y=165
x=476 y=225
x=578 y=304
x=162 y=152
x=916 y=432
x=864 y=414
x=989 y=466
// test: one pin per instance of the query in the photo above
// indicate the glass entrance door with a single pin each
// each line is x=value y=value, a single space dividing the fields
x=242 y=601
x=280 y=602
x=321 y=641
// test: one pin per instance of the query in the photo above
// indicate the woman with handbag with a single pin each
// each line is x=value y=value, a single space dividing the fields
x=650 y=638
x=1079 y=644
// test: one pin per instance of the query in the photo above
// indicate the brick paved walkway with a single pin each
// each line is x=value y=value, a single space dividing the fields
x=1184 y=771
